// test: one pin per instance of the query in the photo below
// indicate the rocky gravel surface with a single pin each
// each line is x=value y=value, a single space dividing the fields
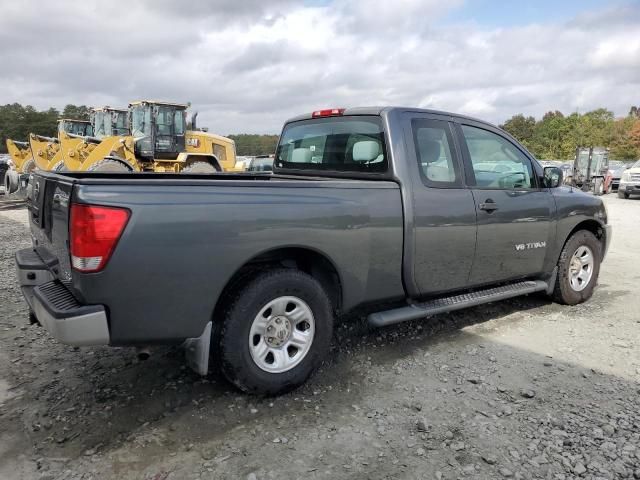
x=520 y=389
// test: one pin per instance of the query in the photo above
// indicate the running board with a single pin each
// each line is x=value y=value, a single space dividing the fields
x=456 y=302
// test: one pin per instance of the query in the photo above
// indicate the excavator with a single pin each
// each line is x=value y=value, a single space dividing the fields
x=40 y=152
x=158 y=141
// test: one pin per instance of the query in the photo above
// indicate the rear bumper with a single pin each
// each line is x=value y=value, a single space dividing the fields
x=55 y=307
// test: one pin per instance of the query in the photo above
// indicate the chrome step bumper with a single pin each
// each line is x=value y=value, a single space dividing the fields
x=55 y=307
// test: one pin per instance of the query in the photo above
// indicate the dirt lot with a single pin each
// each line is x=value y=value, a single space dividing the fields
x=519 y=389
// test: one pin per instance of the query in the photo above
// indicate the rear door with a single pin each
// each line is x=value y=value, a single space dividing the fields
x=444 y=217
x=514 y=213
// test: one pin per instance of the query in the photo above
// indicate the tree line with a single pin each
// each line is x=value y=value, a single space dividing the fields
x=555 y=136
x=17 y=121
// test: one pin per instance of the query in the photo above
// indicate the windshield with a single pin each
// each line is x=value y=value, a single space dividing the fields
x=119 y=123
x=99 y=127
x=76 y=127
x=141 y=120
x=352 y=144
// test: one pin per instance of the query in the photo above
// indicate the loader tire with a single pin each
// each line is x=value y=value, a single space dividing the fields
x=11 y=182
x=29 y=166
x=59 y=167
x=109 y=165
x=199 y=167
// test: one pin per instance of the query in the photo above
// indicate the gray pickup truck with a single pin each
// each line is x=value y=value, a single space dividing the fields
x=399 y=213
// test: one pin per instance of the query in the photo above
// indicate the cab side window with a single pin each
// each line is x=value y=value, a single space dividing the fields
x=496 y=162
x=435 y=153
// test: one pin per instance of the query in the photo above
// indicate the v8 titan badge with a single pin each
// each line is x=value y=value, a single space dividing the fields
x=530 y=246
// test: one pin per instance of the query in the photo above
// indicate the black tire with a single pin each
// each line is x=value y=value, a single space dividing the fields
x=563 y=291
x=110 y=165
x=199 y=167
x=33 y=320
x=626 y=195
x=232 y=338
x=29 y=166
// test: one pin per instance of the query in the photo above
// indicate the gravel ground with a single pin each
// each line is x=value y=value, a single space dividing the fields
x=519 y=389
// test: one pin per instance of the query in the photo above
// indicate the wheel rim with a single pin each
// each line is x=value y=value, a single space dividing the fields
x=581 y=268
x=281 y=334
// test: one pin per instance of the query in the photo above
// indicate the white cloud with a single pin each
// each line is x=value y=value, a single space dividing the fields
x=247 y=66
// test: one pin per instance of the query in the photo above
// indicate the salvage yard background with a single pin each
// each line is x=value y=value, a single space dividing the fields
x=519 y=389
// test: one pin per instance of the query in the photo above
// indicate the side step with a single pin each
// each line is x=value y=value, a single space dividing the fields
x=457 y=302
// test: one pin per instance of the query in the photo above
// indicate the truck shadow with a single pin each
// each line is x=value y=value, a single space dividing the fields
x=99 y=398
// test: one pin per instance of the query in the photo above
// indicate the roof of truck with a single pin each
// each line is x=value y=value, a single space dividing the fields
x=380 y=109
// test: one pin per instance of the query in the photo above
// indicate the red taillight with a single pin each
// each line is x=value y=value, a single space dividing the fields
x=330 y=112
x=93 y=234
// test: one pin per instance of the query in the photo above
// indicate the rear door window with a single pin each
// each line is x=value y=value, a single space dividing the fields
x=435 y=153
x=345 y=144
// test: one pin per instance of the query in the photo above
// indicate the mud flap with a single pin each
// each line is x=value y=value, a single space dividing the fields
x=197 y=351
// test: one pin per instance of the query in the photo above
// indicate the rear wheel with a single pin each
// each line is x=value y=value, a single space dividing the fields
x=109 y=165
x=275 y=333
x=578 y=268
x=199 y=167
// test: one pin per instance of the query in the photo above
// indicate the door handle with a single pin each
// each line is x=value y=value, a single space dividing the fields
x=488 y=206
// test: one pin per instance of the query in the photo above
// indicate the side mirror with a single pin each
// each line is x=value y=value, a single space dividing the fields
x=552 y=177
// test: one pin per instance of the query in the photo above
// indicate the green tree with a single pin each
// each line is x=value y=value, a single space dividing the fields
x=76 y=112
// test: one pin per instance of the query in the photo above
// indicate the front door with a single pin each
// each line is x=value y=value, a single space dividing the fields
x=444 y=217
x=513 y=212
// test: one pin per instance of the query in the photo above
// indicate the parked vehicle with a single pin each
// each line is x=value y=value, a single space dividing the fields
x=612 y=179
x=397 y=213
x=589 y=169
x=630 y=181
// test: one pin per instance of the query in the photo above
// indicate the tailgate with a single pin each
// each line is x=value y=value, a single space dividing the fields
x=48 y=200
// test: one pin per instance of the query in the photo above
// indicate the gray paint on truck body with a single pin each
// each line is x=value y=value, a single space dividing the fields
x=388 y=236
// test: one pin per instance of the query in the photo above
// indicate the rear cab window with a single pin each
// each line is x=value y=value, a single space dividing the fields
x=340 y=144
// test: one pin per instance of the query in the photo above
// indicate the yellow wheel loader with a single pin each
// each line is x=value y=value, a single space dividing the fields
x=159 y=142
x=40 y=152
x=46 y=151
x=21 y=164
x=21 y=157
x=110 y=132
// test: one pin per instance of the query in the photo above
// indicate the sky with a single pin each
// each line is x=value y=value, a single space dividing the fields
x=248 y=65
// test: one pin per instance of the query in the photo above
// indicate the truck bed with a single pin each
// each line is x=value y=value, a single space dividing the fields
x=167 y=268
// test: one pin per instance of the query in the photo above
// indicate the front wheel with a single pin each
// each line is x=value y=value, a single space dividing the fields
x=276 y=332
x=578 y=268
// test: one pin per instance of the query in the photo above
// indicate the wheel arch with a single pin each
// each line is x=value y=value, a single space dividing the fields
x=306 y=259
x=210 y=158
x=592 y=226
